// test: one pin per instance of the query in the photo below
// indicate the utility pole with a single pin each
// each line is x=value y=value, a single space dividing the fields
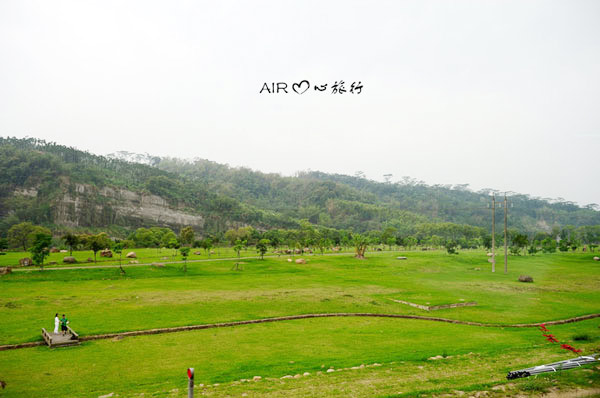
x=493 y=233
x=505 y=236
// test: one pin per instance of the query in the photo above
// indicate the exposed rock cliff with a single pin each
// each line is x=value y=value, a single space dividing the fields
x=83 y=205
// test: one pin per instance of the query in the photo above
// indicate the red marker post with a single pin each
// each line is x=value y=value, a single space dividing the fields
x=190 y=375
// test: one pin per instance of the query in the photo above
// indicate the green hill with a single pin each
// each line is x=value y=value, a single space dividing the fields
x=66 y=188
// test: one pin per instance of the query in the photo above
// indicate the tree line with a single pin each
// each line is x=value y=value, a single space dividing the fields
x=38 y=239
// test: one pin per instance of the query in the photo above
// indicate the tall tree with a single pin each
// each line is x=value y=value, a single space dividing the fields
x=118 y=248
x=98 y=242
x=262 y=247
x=19 y=235
x=72 y=241
x=186 y=236
x=185 y=252
x=39 y=249
x=360 y=245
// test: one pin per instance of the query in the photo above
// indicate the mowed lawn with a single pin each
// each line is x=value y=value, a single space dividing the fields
x=102 y=301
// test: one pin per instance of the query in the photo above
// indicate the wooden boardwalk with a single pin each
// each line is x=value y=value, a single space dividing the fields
x=59 y=340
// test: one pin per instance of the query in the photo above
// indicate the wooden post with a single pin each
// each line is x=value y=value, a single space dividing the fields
x=493 y=233
x=505 y=236
x=190 y=374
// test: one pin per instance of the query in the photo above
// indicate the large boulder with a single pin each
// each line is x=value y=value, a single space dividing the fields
x=300 y=261
x=106 y=253
x=596 y=258
x=25 y=262
x=525 y=278
x=69 y=260
x=131 y=255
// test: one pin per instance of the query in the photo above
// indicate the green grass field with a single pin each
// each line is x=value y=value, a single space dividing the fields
x=103 y=301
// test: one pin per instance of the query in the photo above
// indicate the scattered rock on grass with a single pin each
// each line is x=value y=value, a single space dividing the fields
x=69 y=260
x=112 y=394
x=131 y=255
x=256 y=378
x=596 y=258
x=525 y=278
x=300 y=261
x=25 y=262
x=401 y=258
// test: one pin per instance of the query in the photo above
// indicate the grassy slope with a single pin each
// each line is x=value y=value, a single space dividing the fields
x=102 y=301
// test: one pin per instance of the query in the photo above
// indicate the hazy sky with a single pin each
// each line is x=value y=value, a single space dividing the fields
x=501 y=94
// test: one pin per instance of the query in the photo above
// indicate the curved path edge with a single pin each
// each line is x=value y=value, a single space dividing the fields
x=306 y=316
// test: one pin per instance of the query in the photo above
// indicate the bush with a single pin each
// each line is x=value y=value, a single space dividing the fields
x=581 y=337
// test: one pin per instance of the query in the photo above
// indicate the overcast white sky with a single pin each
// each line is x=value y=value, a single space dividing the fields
x=500 y=94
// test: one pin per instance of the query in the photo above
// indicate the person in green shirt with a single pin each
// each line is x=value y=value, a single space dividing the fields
x=63 y=324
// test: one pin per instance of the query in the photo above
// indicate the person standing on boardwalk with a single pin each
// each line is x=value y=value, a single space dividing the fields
x=63 y=324
x=56 y=322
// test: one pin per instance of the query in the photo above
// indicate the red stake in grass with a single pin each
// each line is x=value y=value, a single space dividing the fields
x=552 y=339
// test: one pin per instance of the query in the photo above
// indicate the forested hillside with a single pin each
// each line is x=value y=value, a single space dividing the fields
x=64 y=188
x=342 y=201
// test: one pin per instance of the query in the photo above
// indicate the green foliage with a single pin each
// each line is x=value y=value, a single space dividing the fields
x=186 y=235
x=185 y=252
x=262 y=247
x=3 y=244
x=451 y=247
x=549 y=245
x=239 y=196
x=238 y=246
x=22 y=235
x=98 y=242
x=533 y=249
x=563 y=245
x=360 y=243
x=71 y=240
x=206 y=244
x=39 y=249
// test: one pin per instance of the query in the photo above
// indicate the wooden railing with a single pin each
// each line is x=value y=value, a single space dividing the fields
x=47 y=337
x=74 y=336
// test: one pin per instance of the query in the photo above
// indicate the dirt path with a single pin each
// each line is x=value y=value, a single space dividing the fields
x=306 y=316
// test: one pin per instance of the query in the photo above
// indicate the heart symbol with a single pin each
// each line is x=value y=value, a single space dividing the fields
x=297 y=87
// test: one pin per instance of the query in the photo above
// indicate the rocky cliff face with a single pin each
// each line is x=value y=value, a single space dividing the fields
x=82 y=205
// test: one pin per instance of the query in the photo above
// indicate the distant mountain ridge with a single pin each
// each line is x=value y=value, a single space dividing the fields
x=56 y=185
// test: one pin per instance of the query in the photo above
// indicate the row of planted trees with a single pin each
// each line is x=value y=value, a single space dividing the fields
x=38 y=240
